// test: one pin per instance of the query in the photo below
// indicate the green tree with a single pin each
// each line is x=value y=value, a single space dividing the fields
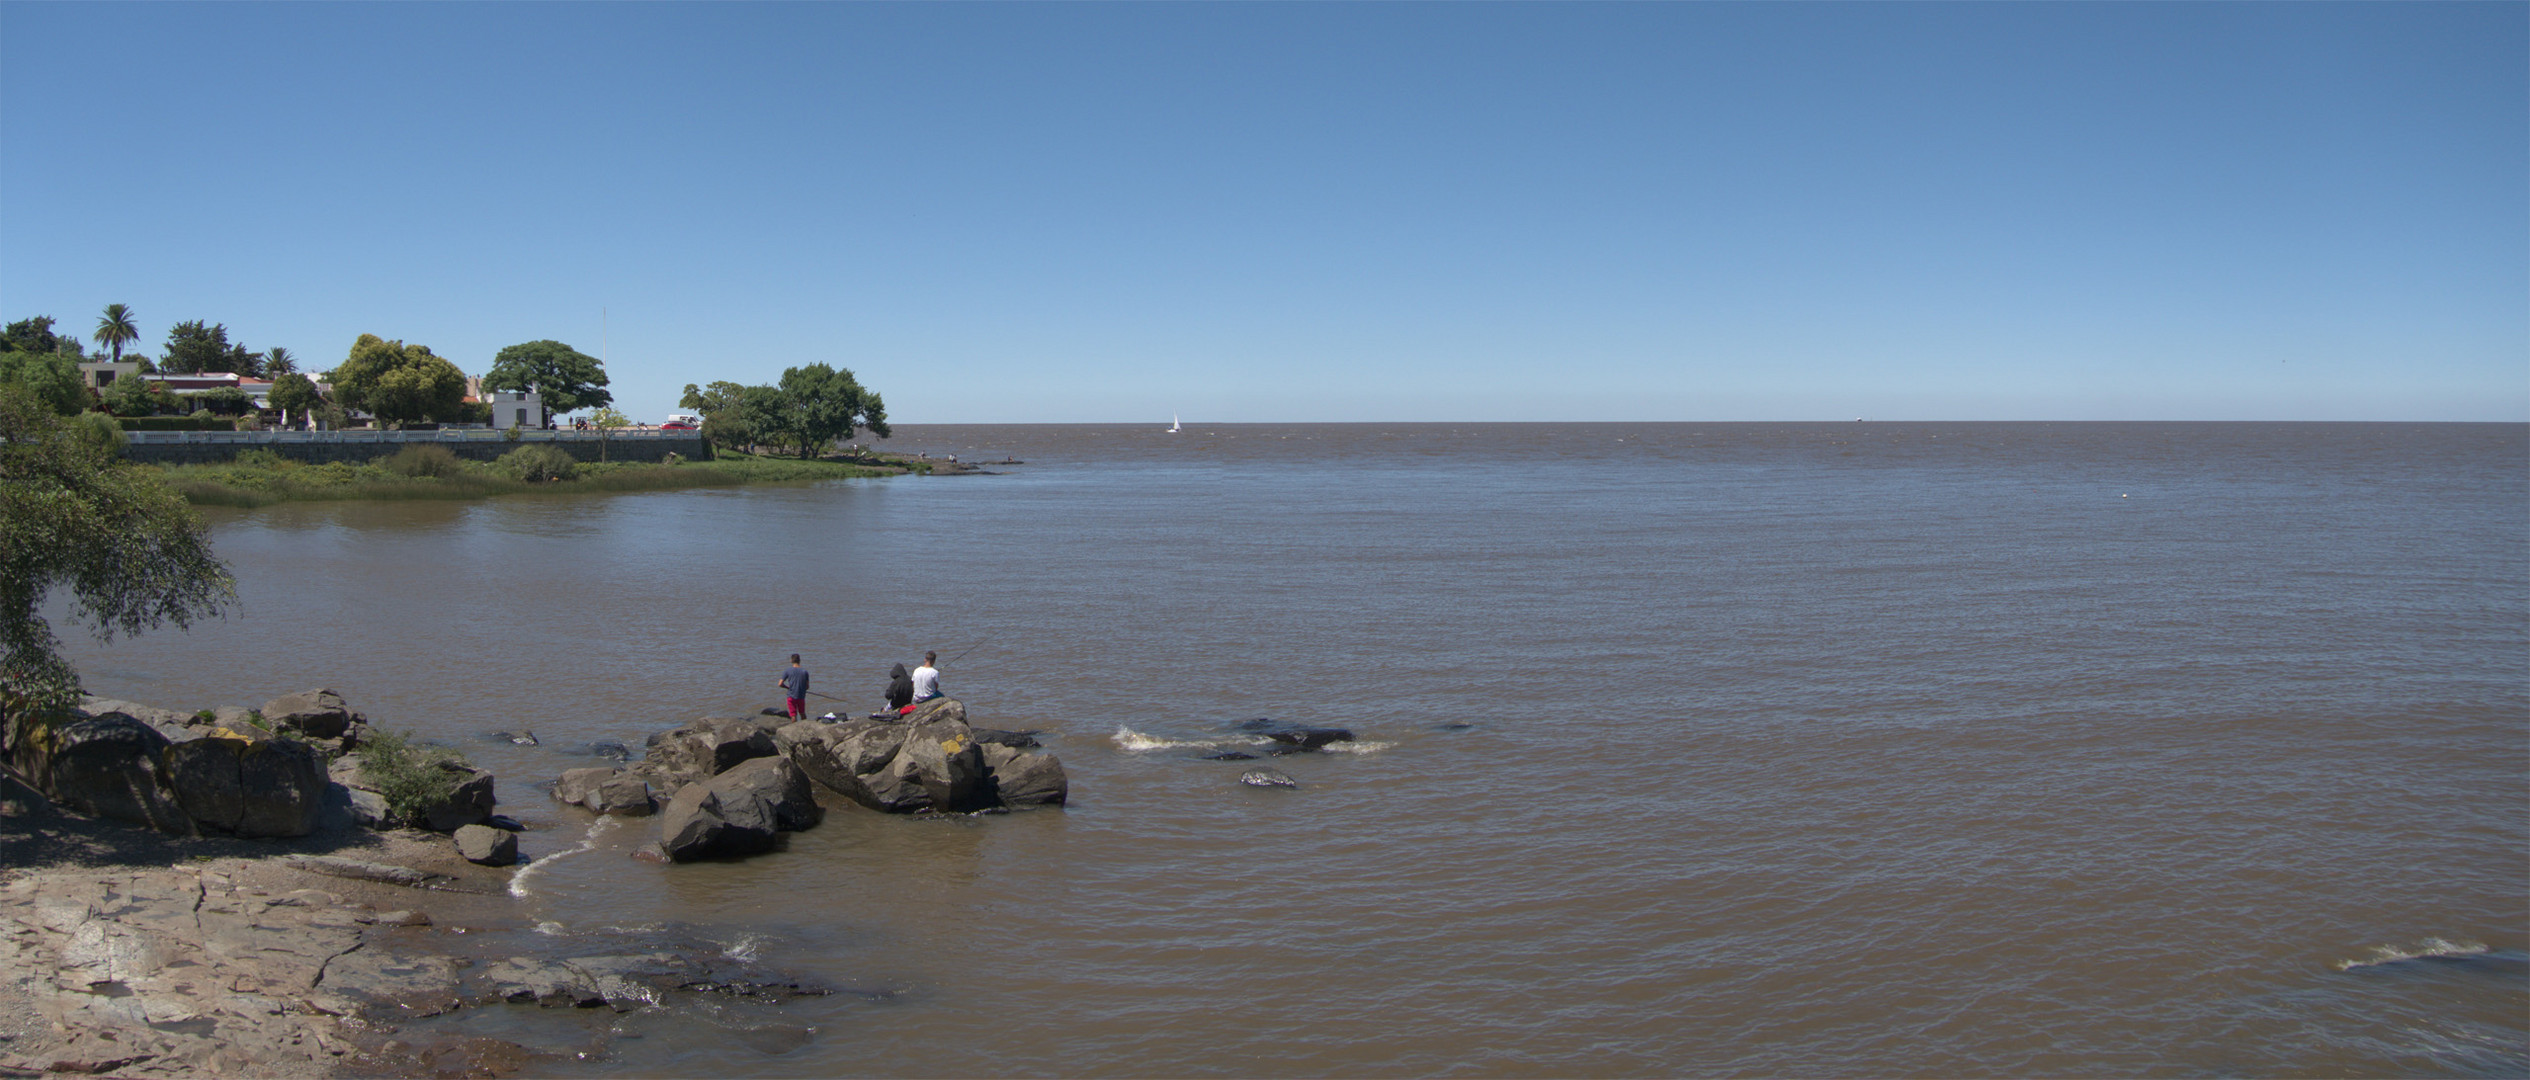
x=51 y=377
x=295 y=394
x=822 y=405
x=727 y=422
x=138 y=397
x=36 y=336
x=399 y=383
x=193 y=347
x=279 y=362
x=567 y=379
x=117 y=327
x=73 y=513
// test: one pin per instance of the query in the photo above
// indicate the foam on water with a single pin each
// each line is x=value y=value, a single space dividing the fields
x=1128 y=739
x=1356 y=747
x=588 y=842
x=2429 y=948
x=744 y=949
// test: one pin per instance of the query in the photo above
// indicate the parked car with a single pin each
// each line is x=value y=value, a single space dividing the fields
x=676 y=425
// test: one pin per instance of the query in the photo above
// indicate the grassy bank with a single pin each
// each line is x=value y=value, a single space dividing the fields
x=261 y=478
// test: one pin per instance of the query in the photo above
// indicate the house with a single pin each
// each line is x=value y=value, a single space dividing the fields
x=517 y=408
x=99 y=374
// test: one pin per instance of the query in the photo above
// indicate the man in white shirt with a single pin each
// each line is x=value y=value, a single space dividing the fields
x=927 y=678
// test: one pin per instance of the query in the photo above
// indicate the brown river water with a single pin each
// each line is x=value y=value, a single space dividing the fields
x=1685 y=749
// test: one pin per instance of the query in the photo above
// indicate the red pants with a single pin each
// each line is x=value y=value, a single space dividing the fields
x=799 y=707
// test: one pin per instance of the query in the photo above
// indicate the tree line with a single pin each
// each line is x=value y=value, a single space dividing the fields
x=811 y=408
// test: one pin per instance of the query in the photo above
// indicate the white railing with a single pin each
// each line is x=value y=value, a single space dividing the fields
x=461 y=435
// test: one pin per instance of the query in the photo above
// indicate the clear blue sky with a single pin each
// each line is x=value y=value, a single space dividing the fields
x=1318 y=212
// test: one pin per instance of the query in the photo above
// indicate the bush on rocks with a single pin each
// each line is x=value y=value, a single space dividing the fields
x=420 y=783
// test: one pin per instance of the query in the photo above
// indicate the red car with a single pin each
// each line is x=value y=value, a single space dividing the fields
x=674 y=426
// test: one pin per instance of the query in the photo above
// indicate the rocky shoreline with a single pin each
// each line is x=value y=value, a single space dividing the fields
x=230 y=893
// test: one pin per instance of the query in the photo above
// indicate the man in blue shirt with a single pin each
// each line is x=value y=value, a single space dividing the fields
x=794 y=686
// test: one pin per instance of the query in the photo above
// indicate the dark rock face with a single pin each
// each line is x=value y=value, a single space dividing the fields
x=484 y=845
x=109 y=766
x=1230 y=755
x=1016 y=740
x=319 y=714
x=739 y=812
x=249 y=787
x=1025 y=779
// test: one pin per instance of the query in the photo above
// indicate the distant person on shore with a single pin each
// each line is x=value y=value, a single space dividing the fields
x=900 y=691
x=794 y=684
x=927 y=678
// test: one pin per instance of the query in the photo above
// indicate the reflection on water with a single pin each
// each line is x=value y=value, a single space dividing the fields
x=1962 y=749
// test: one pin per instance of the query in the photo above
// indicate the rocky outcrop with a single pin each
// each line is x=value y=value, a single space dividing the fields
x=703 y=749
x=605 y=791
x=933 y=760
x=739 y=812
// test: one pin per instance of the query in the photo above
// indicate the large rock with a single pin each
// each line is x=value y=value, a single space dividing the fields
x=234 y=783
x=939 y=709
x=605 y=791
x=319 y=714
x=704 y=749
x=842 y=755
x=110 y=766
x=942 y=756
x=739 y=812
x=1021 y=780
x=484 y=845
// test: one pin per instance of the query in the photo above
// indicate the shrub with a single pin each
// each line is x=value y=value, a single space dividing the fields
x=426 y=460
x=411 y=778
x=539 y=463
x=97 y=430
x=262 y=458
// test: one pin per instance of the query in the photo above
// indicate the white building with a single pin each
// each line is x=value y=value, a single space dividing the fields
x=517 y=408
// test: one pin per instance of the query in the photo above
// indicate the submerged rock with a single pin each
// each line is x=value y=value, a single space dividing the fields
x=1267 y=778
x=1295 y=735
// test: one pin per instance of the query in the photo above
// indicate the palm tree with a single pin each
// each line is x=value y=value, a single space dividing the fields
x=278 y=361
x=116 y=328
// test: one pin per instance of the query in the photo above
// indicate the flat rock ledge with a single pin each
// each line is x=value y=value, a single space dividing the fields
x=299 y=965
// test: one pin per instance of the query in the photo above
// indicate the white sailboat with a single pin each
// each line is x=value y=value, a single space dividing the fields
x=1172 y=423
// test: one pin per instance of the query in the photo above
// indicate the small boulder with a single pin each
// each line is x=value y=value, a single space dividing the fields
x=605 y=791
x=320 y=714
x=469 y=804
x=484 y=845
x=1267 y=778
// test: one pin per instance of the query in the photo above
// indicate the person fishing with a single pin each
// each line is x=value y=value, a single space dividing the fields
x=900 y=691
x=794 y=684
x=927 y=678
